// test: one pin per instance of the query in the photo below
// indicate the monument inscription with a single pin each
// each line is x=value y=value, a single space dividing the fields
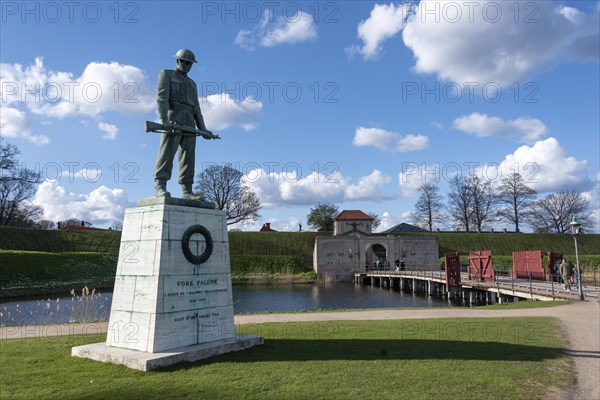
x=185 y=293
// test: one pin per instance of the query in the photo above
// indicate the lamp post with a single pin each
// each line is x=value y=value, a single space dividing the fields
x=575 y=232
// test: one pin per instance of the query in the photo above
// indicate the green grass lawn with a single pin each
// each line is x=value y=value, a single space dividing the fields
x=500 y=358
x=524 y=304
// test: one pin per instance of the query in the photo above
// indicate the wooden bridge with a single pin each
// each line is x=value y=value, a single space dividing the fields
x=500 y=290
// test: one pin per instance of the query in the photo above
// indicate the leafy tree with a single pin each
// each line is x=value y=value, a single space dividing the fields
x=429 y=207
x=321 y=217
x=514 y=199
x=225 y=186
x=17 y=186
x=553 y=213
x=460 y=202
x=483 y=201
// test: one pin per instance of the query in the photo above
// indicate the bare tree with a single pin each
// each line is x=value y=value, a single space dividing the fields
x=117 y=226
x=8 y=161
x=460 y=202
x=46 y=224
x=376 y=220
x=17 y=186
x=483 y=201
x=553 y=213
x=224 y=186
x=429 y=207
x=514 y=199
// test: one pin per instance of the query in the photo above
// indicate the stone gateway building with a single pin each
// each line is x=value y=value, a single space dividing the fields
x=353 y=248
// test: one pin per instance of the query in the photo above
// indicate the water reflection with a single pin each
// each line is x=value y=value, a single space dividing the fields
x=252 y=299
x=246 y=299
x=88 y=307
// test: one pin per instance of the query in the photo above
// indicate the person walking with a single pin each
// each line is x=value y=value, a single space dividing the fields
x=565 y=271
x=557 y=273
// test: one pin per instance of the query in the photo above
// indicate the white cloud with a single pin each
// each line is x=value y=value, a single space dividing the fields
x=383 y=23
x=466 y=41
x=276 y=189
x=291 y=225
x=16 y=124
x=389 y=220
x=110 y=131
x=290 y=189
x=366 y=187
x=88 y=174
x=482 y=43
x=121 y=88
x=222 y=111
x=269 y=32
x=481 y=125
x=414 y=175
x=389 y=141
x=100 y=207
x=437 y=125
x=593 y=196
x=298 y=29
x=102 y=87
x=546 y=167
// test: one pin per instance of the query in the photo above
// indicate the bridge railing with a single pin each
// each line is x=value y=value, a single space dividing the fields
x=411 y=273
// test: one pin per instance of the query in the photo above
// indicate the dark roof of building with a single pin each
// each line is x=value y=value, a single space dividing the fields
x=404 y=228
x=353 y=215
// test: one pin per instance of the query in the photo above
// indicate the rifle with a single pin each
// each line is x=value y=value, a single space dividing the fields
x=179 y=130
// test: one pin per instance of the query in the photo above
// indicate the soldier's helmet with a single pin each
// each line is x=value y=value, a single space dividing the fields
x=186 y=55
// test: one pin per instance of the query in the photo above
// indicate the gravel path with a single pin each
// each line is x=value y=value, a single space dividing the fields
x=580 y=320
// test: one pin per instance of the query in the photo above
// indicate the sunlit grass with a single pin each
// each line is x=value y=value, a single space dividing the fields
x=499 y=358
x=524 y=304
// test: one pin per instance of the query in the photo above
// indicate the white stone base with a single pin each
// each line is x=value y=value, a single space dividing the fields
x=144 y=361
x=172 y=300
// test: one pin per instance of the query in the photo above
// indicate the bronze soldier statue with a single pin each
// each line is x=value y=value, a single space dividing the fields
x=177 y=98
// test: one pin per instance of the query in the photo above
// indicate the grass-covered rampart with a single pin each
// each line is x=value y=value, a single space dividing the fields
x=59 y=241
x=30 y=273
x=298 y=245
x=49 y=261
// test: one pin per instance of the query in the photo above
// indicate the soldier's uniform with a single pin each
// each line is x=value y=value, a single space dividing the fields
x=177 y=98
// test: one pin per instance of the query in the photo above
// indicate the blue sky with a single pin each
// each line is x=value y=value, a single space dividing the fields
x=354 y=103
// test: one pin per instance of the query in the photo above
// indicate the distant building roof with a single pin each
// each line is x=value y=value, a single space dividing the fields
x=404 y=228
x=353 y=215
x=267 y=228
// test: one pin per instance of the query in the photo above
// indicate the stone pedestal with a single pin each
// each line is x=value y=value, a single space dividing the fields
x=172 y=299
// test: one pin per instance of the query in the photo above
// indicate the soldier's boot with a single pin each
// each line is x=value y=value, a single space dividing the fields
x=188 y=194
x=161 y=189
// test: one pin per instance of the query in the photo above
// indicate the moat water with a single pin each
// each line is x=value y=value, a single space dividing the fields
x=246 y=300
